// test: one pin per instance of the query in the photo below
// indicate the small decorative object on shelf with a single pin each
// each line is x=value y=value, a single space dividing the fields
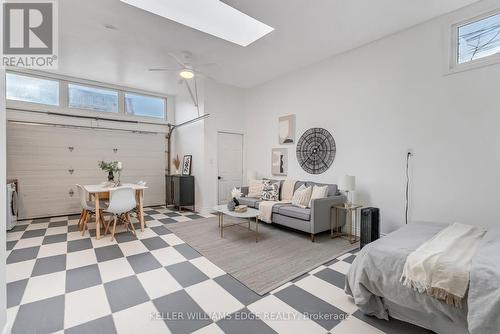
x=231 y=206
x=240 y=208
x=186 y=164
x=110 y=167
x=177 y=163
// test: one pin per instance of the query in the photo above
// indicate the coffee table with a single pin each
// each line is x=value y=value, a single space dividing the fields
x=250 y=214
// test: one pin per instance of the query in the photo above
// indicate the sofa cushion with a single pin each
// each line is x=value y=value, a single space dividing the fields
x=332 y=188
x=251 y=202
x=295 y=212
x=277 y=206
x=270 y=191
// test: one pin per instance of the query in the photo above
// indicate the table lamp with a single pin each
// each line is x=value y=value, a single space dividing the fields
x=348 y=184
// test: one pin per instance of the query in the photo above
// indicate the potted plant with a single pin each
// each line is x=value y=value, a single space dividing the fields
x=110 y=167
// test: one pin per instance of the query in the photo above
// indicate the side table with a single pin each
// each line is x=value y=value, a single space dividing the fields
x=350 y=212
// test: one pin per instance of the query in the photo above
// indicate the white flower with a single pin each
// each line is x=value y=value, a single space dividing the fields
x=119 y=165
x=236 y=193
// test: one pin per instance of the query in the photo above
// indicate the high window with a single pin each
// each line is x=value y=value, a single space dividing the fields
x=141 y=105
x=32 y=89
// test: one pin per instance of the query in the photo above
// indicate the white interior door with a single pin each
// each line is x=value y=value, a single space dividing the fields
x=230 y=164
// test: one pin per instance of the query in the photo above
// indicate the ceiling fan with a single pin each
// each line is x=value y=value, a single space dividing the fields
x=185 y=66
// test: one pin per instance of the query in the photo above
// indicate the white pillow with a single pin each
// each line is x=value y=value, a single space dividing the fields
x=318 y=192
x=302 y=196
x=255 y=188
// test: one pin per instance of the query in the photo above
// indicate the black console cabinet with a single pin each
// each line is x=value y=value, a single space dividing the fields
x=180 y=191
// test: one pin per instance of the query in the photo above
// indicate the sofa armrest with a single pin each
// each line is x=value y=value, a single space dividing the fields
x=321 y=212
x=244 y=191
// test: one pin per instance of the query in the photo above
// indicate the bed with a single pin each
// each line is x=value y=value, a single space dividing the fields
x=373 y=282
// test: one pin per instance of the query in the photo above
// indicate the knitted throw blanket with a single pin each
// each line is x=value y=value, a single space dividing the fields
x=440 y=267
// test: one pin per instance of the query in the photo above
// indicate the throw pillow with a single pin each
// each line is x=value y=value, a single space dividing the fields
x=302 y=196
x=255 y=188
x=270 y=191
x=318 y=192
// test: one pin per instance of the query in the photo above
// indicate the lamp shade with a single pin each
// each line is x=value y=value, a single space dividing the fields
x=348 y=182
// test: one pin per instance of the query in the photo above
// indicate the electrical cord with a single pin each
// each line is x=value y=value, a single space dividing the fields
x=407 y=190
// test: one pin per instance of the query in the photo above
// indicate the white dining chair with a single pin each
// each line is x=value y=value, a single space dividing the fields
x=88 y=209
x=121 y=203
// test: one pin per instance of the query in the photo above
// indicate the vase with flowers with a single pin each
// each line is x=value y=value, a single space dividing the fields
x=177 y=163
x=111 y=167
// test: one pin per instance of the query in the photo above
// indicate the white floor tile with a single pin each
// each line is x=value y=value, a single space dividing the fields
x=85 y=305
x=270 y=308
x=146 y=234
x=58 y=248
x=168 y=256
x=328 y=292
x=172 y=239
x=105 y=240
x=137 y=319
x=207 y=267
x=158 y=283
x=354 y=325
x=154 y=223
x=115 y=269
x=11 y=316
x=29 y=242
x=341 y=267
x=19 y=270
x=14 y=236
x=214 y=299
x=77 y=236
x=80 y=259
x=181 y=219
x=46 y=286
x=59 y=219
x=210 y=329
x=344 y=256
x=37 y=226
x=57 y=230
x=133 y=247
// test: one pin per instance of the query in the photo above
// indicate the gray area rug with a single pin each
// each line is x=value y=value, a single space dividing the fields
x=280 y=255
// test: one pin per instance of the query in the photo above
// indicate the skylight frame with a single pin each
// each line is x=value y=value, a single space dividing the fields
x=209 y=16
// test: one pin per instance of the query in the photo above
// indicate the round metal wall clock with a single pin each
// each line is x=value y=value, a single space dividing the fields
x=316 y=150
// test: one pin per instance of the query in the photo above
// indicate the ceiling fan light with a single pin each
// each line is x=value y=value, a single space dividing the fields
x=186 y=74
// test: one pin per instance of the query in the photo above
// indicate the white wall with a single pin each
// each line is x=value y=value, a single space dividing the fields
x=225 y=106
x=382 y=99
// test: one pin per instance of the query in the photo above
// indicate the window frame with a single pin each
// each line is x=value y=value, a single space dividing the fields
x=31 y=103
x=64 y=108
x=145 y=95
x=453 y=65
x=94 y=87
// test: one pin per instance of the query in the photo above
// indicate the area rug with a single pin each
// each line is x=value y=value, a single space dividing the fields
x=280 y=255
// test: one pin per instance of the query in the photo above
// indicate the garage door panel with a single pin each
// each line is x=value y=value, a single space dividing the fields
x=38 y=156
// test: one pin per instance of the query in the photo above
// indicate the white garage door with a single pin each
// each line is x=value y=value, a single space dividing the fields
x=48 y=161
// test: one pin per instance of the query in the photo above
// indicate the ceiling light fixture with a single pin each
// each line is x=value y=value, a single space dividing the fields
x=210 y=16
x=186 y=73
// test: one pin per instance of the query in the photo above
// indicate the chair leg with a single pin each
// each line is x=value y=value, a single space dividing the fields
x=312 y=237
x=114 y=228
x=87 y=218
x=81 y=217
x=84 y=216
x=130 y=222
x=106 y=224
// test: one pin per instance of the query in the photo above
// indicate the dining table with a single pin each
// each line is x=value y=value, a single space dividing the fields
x=97 y=190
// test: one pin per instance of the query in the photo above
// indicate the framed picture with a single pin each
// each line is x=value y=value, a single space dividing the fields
x=186 y=165
x=279 y=161
x=287 y=129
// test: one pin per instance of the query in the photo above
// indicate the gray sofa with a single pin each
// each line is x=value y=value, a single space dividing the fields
x=311 y=220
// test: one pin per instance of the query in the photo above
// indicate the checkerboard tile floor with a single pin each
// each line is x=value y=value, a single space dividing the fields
x=60 y=281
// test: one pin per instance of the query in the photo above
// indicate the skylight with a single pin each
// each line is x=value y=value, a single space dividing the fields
x=210 y=16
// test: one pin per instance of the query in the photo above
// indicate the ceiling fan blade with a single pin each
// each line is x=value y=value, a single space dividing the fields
x=205 y=65
x=162 y=70
x=177 y=60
